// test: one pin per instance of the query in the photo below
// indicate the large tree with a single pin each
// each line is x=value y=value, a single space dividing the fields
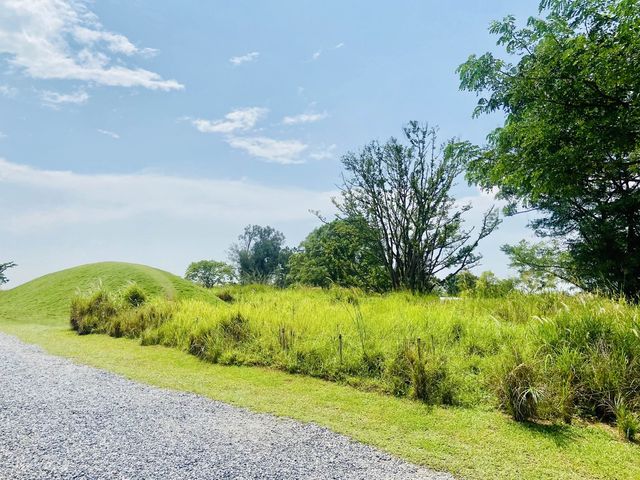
x=403 y=191
x=3 y=268
x=343 y=252
x=260 y=255
x=210 y=273
x=570 y=144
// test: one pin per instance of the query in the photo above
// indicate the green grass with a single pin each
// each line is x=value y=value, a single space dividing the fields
x=45 y=299
x=551 y=357
x=472 y=442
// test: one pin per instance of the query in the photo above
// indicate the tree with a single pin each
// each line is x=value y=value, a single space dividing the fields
x=343 y=252
x=463 y=281
x=540 y=265
x=489 y=285
x=210 y=273
x=570 y=144
x=260 y=255
x=402 y=191
x=3 y=268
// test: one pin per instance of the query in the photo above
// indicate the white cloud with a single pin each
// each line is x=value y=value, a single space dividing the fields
x=7 y=91
x=114 y=42
x=3 y=135
x=241 y=119
x=109 y=133
x=63 y=39
x=304 y=118
x=285 y=152
x=249 y=57
x=96 y=198
x=54 y=98
x=316 y=55
x=340 y=45
x=324 y=153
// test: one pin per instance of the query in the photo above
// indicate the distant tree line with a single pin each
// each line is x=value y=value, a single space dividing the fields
x=398 y=226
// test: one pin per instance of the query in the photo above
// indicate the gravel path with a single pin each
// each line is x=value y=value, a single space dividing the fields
x=62 y=420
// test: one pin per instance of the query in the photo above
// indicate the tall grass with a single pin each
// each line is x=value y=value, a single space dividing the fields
x=538 y=357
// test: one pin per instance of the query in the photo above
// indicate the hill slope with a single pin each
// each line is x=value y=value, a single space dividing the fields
x=46 y=299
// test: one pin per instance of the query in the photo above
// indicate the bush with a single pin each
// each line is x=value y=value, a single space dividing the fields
x=90 y=313
x=596 y=357
x=399 y=372
x=518 y=391
x=235 y=328
x=423 y=375
x=372 y=364
x=133 y=296
x=225 y=296
x=133 y=322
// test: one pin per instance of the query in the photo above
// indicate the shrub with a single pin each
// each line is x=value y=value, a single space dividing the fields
x=90 y=313
x=518 y=391
x=597 y=356
x=372 y=364
x=399 y=372
x=423 y=375
x=133 y=295
x=133 y=322
x=205 y=344
x=308 y=362
x=225 y=296
x=236 y=328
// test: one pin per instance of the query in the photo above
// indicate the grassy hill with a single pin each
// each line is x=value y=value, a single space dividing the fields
x=46 y=299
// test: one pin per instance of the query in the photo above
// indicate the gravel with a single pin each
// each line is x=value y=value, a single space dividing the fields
x=60 y=420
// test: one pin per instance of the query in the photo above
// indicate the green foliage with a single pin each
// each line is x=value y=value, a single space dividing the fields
x=133 y=295
x=593 y=358
x=225 y=296
x=403 y=192
x=627 y=421
x=489 y=285
x=127 y=312
x=210 y=273
x=471 y=333
x=91 y=312
x=3 y=268
x=570 y=144
x=517 y=388
x=53 y=293
x=345 y=253
x=463 y=281
x=261 y=256
x=550 y=357
x=540 y=265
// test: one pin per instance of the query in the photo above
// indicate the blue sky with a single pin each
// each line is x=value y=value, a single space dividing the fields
x=153 y=131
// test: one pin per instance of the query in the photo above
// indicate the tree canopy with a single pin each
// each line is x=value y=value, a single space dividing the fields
x=3 y=268
x=210 y=273
x=343 y=252
x=570 y=144
x=403 y=193
x=260 y=255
